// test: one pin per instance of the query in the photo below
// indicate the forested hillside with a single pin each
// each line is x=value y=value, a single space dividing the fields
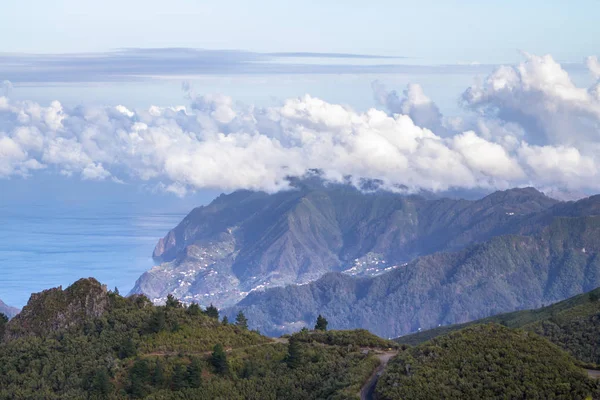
x=506 y=273
x=573 y=324
x=87 y=342
x=486 y=362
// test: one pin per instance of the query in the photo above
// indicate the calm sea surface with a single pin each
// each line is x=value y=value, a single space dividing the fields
x=47 y=246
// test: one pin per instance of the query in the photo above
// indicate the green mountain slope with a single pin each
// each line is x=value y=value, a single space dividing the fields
x=573 y=324
x=87 y=343
x=506 y=273
x=246 y=241
x=486 y=362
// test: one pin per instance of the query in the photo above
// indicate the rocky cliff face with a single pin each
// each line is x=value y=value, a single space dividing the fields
x=249 y=241
x=55 y=309
x=7 y=310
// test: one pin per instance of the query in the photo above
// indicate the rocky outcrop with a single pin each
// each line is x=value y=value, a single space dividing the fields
x=56 y=309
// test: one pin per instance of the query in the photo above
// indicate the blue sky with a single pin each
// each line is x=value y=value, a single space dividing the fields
x=446 y=31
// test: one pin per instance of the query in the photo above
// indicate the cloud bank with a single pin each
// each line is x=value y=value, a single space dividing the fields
x=527 y=125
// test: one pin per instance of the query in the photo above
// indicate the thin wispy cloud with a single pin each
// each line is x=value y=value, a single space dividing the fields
x=135 y=64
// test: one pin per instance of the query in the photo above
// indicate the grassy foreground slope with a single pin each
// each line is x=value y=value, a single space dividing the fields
x=573 y=324
x=85 y=342
x=486 y=362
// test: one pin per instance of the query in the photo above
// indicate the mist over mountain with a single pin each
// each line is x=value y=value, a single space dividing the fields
x=248 y=241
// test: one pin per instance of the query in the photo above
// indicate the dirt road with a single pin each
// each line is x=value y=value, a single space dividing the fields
x=368 y=390
x=593 y=373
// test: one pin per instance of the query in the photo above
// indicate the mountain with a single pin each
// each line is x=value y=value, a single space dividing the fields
x=505 y=273
x=89 y=343
x=486 y=362
x=573 y=324
x=248 y=241
x=8 y=310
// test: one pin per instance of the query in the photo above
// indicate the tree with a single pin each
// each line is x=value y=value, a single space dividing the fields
x=116 y=291
x=241 y=321
x=139 y=377
x=194 y=374
x=101 y=386
x=294 y=355
x=178 y=381
x=225 y=320
x=127 y=349
x=158 y=321
x=172 y=302
x=212 y=311
x=194 y=309
x=321 y=324
x=158 y=376
x=219 y=359
x=3 y=322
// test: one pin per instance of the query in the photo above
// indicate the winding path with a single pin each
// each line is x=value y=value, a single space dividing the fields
x=593 y=373
x=368 y=389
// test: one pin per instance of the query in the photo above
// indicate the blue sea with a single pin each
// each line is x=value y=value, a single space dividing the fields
x=53 y=232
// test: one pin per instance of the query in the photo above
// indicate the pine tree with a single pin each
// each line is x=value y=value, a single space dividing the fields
x=212 y=311
x=225 y=321
x=194 y=374
x=172 y=302
x=158 y=322
x=321 y=324
x=116 y=291
x=101 y=386
x=127 y=349
x=194 y=309
x=294 y=356
x=158 y=376
x=241 y=321
x=139 y=377
x=178 y=381
x=219 y=359
x=3 y=322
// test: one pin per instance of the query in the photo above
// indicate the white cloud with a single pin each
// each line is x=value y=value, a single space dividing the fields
x=532 y=126
x=594 y=66
x=539 y=96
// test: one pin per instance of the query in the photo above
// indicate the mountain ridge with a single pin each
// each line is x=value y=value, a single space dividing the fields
x=506 y=273
x=248 y=241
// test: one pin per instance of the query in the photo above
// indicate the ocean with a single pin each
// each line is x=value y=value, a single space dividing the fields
x=43 y=247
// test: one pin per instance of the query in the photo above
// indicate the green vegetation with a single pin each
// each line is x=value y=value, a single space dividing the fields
x=321 y=324
x=357 y=337
x=573 y=324
x=110 y=347
x=486 y=362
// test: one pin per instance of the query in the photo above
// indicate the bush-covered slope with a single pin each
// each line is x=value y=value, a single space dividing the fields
x=486 y=362
x=503 y=274
x=85 y=342
x=573 y=324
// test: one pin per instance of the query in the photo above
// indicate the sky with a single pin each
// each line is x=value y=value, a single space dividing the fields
x=153 y=106
x=447 y=31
